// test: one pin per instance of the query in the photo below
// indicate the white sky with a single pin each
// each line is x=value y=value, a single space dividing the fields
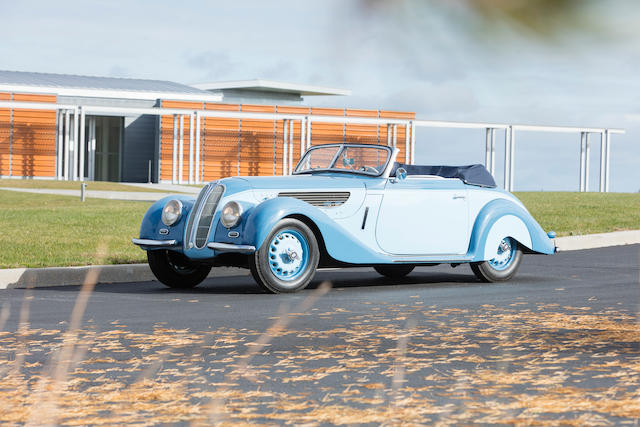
x=431 y=57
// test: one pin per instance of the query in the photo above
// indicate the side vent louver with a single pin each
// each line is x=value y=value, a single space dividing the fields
x=321 y=199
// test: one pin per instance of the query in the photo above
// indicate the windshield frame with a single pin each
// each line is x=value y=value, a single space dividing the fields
x=341 y=148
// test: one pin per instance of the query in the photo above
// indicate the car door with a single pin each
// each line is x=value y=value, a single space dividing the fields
x=424 y=216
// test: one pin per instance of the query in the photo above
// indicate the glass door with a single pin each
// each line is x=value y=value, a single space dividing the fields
x=108 y=137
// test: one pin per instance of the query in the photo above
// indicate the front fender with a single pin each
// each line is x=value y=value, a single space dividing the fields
x=152 y=220
x=503 y=218
x=338 y=241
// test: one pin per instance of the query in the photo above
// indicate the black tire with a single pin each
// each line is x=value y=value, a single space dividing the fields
x=394 y=271
x=486 y=272
x=175 y=270
x=295 y=273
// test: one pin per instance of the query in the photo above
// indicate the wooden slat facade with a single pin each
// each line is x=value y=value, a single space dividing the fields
x=220 y=144
x=28 y=138
x=233 y=147
x=166 y=139
x=5 y=135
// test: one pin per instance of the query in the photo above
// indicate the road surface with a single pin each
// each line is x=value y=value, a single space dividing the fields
x=559 y=343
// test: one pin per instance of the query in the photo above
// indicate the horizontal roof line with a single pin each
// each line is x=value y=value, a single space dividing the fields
x=289 y=116
x=112 y=93
x=274 y=86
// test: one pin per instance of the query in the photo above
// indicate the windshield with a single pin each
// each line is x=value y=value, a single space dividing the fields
x=369 y=160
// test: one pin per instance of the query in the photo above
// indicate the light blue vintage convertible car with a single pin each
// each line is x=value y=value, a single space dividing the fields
x=344 y=205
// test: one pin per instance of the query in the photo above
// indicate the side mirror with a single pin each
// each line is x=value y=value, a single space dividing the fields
x=401 y=173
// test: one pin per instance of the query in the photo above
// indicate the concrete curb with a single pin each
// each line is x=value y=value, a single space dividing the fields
x=138 y=196
x=74 y=276
x=601 y=240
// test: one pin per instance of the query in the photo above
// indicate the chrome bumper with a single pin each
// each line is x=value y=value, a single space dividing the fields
x=156 y=243
x=228 y=247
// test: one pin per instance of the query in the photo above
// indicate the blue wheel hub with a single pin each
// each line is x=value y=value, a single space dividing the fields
x=288 y=255
x=504 y=255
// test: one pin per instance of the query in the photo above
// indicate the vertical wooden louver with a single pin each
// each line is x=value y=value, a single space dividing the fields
x=28 y=138
x=253 y=147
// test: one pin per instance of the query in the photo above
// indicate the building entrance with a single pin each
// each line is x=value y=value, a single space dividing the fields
x=104 y=146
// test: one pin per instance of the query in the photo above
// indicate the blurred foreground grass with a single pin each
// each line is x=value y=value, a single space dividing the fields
x=46 y=230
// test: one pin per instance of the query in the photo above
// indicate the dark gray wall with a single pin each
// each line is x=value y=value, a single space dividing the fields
x=109 y=102
x=138 y=148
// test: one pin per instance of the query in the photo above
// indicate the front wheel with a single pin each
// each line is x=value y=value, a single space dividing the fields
x=287 y=259
x=176 y=270
x=503 y=266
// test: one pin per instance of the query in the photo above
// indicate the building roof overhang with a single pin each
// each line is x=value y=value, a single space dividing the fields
x=101 y=87
x=273 y=86
x=112 y=93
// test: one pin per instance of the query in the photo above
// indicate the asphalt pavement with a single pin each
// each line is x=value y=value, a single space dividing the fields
x=558 y=344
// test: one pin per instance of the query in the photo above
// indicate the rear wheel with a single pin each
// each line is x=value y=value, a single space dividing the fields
x=287 y=259
x=394 y=271
x=176 y=270
x=503 y=266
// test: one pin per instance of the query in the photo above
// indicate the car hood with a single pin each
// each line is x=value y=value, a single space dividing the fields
x=304 y=182
x=304 y=186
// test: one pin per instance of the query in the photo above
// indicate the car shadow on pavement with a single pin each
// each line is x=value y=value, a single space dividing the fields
x=339 y=278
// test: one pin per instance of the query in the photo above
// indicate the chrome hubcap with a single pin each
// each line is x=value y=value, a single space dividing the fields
x=504 y=254
x=288 y=255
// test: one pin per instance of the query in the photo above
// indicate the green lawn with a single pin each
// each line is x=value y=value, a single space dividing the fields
x=46 y=230
x=72 y=185
x=583 y=213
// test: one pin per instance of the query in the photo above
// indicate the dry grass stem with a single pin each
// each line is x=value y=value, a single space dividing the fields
x=4 y=314
x=216 y=413
x=68 y=356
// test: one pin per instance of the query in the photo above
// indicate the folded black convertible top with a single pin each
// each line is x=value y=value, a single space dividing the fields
x=470 y=174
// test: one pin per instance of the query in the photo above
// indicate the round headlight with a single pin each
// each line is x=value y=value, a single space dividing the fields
x=230 y=215
x=171 y=212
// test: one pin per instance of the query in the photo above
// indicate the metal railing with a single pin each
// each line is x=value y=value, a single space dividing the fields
x=71 y=148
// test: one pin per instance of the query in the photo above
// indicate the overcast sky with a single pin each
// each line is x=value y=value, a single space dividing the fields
x=436 y=58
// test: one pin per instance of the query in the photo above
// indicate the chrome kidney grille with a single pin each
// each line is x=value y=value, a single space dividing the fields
x=321 y=199
x=203 y=212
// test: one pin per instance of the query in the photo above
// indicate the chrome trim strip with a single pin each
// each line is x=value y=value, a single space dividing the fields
x=392 y=160
x=432 y=259
x=200 y=216
x=157 y=243
x=228 y=247
x=194 y=215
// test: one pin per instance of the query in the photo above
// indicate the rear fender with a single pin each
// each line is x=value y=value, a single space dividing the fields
x=503 y=218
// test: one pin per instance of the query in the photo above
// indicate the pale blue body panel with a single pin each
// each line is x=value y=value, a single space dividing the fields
x=384 y=221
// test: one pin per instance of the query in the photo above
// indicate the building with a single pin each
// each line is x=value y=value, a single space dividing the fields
x=112 y=129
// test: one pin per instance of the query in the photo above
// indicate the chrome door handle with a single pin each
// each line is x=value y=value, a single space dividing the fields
x=459 y=196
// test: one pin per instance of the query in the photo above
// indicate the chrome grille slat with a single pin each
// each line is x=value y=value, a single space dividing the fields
x=206 y=216
x=326 y=199
x=194 y=212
